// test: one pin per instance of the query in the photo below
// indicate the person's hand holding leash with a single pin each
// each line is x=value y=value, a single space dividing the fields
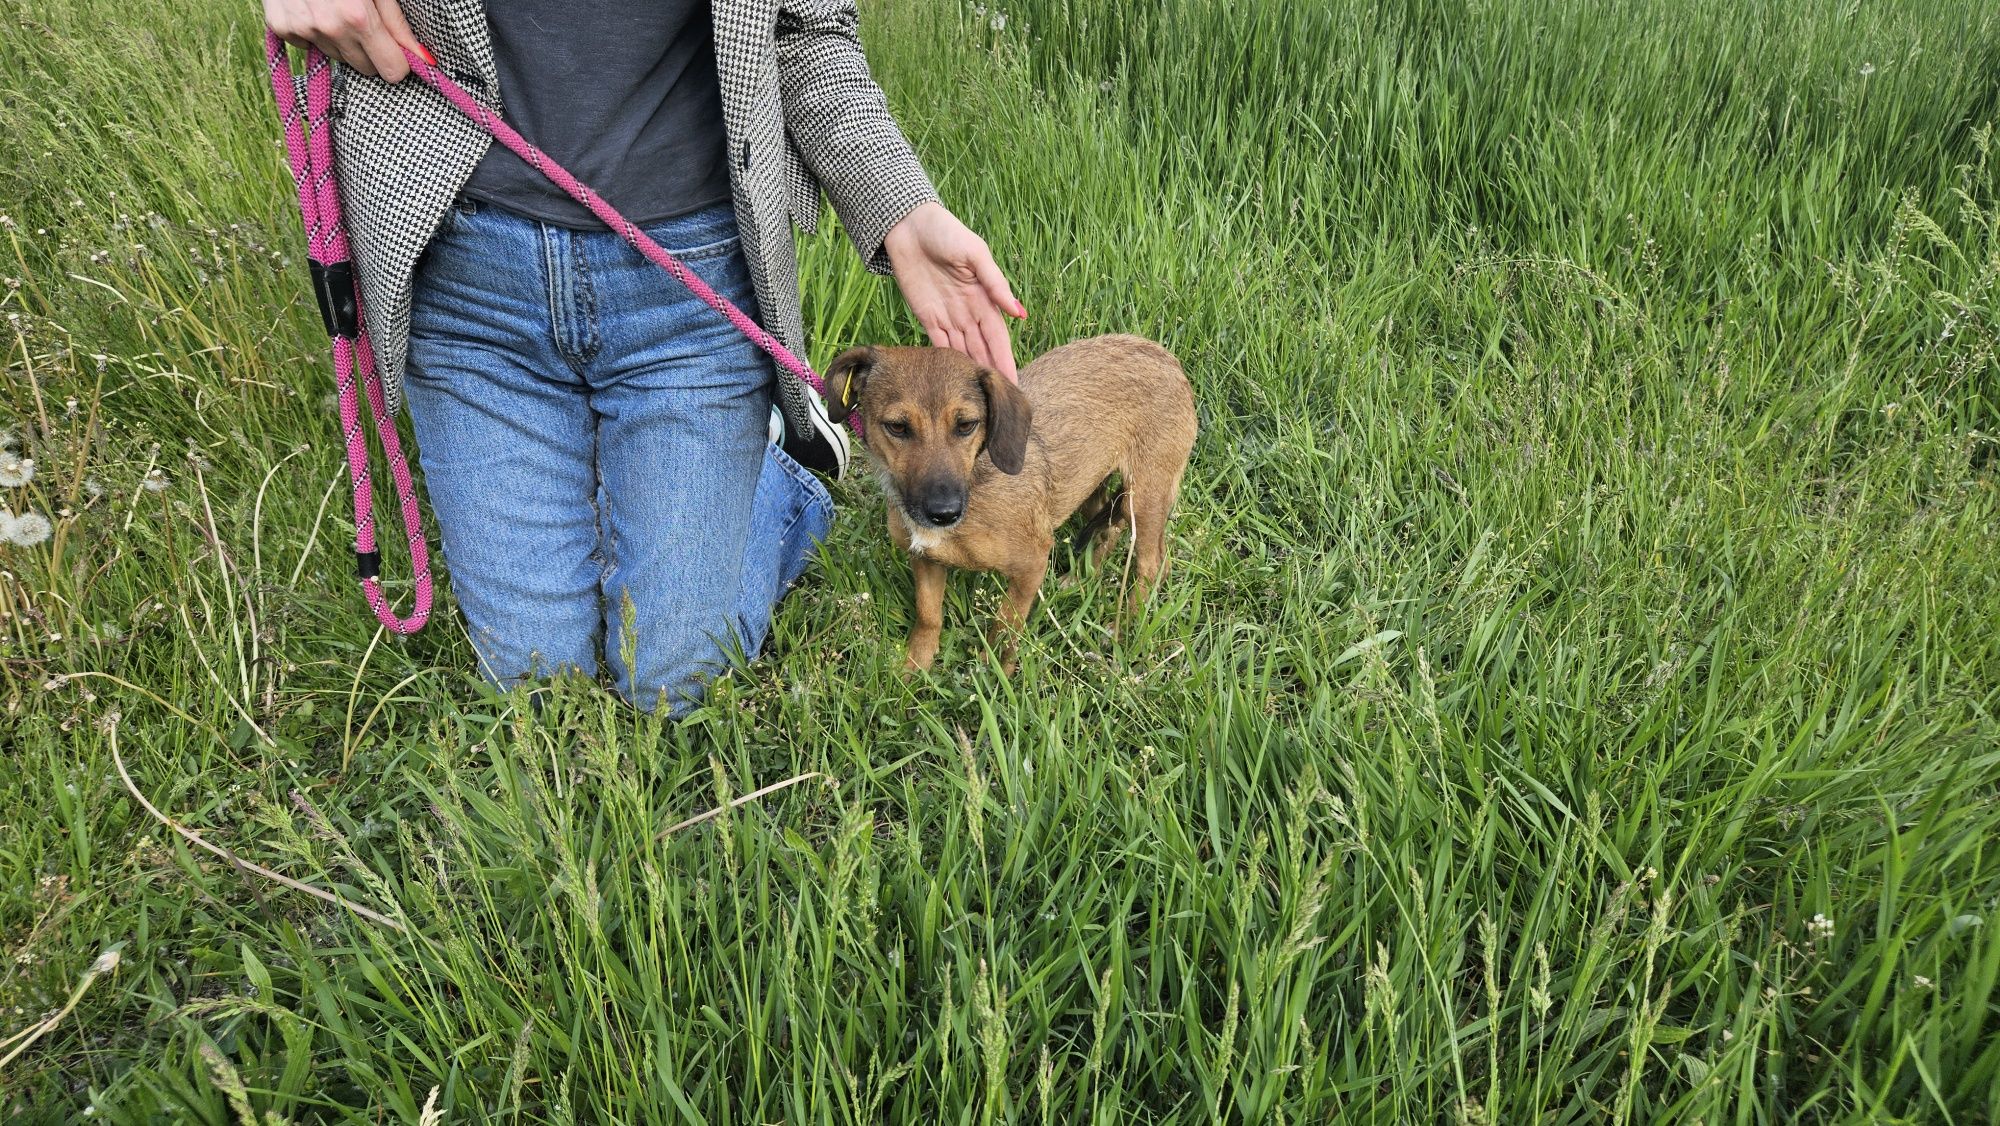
x=952 y=284
x=368 y=35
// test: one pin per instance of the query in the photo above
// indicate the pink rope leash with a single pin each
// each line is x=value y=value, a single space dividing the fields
x=309 y=143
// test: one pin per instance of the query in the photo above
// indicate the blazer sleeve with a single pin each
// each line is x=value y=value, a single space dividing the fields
x=839 y=122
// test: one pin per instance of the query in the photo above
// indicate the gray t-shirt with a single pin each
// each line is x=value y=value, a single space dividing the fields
x=623 y=93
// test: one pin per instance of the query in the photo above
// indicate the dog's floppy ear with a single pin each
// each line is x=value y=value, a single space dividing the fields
x=845 y=377
x=1008 y=417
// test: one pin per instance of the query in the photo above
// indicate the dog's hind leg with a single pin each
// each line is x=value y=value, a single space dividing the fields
x=1150 y=501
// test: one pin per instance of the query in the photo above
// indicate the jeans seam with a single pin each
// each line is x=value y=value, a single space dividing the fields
x=557 y=287
x=586 y=296
x=710 y=250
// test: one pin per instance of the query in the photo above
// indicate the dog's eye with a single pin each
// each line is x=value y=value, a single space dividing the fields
x=965 y=429
x=896 y=429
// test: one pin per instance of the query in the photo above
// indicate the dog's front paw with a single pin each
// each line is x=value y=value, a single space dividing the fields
x=922 y=651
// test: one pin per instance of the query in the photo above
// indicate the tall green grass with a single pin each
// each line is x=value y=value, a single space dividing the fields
x=1573 y=700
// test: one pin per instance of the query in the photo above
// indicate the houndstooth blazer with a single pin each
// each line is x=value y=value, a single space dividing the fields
x=799 y=109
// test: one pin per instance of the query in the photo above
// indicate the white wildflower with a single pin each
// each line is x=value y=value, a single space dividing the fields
x=27 y=529
x=999 y=21
x=1819 y=928
x=1867 y=69
x=16 y=471
x=1922 y=982
x=1105 y=86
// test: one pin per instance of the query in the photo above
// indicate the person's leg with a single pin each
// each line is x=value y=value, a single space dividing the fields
x=507 y=440
x=682 y=403
x=789 y=518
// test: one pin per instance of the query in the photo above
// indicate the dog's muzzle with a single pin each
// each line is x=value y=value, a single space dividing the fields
x=939 y=506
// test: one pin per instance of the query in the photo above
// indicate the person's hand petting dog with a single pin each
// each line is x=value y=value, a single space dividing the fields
x=952 y=284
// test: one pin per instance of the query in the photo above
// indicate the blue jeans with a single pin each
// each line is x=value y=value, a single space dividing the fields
x=594 y=445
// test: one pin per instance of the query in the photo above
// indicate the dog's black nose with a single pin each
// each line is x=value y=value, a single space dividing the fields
x=942 y=511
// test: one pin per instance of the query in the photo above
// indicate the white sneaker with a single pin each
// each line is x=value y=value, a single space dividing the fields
x=823 y=449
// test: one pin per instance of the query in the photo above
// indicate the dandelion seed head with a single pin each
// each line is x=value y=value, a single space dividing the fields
x=28 y=529
x=155 y=480
x=16 y=471
x=999 y=21
x=1867 y=69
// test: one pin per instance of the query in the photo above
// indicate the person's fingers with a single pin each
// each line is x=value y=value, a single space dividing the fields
x=387 y=55
x=286 y=19
x=383 y=51
x=964 y=321
x=999 y=349
x=933 y=328
x=350 y=48
x=948 y=335
x=391 y=14
x=995 y=284
x=975 y=345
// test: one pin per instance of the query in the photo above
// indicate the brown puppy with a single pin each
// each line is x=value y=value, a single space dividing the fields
x=980 y=473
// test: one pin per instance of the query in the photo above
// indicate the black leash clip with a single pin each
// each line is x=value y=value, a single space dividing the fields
x=333 y=286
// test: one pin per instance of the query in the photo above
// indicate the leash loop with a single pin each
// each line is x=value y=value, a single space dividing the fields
x=309 y=150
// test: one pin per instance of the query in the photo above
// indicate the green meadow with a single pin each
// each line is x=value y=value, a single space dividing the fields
x=1573 y=700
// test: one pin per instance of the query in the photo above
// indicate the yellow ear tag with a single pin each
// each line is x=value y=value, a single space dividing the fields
x=847 y=393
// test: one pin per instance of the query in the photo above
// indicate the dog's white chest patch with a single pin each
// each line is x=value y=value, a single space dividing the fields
x=923 y=541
